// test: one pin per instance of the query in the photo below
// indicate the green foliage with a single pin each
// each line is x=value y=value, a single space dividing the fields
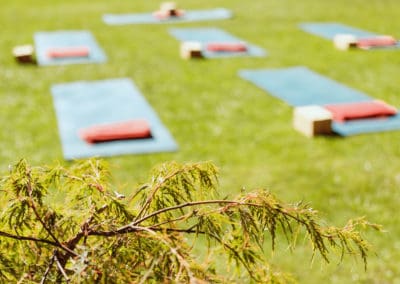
x=95 y=234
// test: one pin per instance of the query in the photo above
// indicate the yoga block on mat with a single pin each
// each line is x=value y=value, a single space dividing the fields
x=24 y=53
x=191 y=49
x=344 y=41
x=169 y=7
x=168 y=10
x=377 y=41
x=312 y=120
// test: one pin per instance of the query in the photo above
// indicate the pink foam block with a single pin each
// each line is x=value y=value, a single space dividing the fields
x=63 y=52
x=131 y=129
x=369 y=109
x=378 y=41
x=226 y=46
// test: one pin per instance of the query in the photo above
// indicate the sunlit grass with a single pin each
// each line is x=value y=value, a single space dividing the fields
x=214 y=115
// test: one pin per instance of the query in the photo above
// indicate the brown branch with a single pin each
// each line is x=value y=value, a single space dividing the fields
x=154 y=191
x=132 y=227
x=48 y=268
x=139 y=229
x=129 y=227
x=150 y=197
x=196 y=203
x=61 y=268
x=85 y=228
x=180 y=206
x=174 y=251
x=25 y=238
x=183 y=217
x=312 y=228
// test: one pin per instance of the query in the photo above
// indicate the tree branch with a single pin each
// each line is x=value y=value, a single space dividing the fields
x=154 y=191
x=24 y=238
x=84 y=229
x=61 y=268
x=180 y=206
x=131 y=227
x=138 y=229
x=149 y=271
x=48 y=267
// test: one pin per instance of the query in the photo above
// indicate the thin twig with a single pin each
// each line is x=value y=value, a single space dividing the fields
x=61 y=268
x=149 y=199
x=175 y=252
x=150 y=270
x=154 y=191
x=48 y=267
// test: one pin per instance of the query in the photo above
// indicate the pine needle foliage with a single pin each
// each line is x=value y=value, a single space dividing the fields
x=69 y=225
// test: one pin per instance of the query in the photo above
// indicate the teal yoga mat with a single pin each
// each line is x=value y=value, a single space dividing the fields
x=148 y=18
x=64 y=39
x=86 y=103
x=300 y=86
x=330 y=29
x=207 y=35
x=361 y=126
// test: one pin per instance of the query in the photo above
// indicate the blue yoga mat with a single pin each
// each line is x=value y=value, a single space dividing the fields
x=148 y=18
x=65 y=39
x=299 y=86
x=83 y=104
x=207 y=35
x=329 y=30
x=361 y=126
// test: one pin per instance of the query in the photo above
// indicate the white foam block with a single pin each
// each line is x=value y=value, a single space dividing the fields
x=191 y=49
x=344 y=41
x=24 y=53
x=312 y=120
x=168 y=6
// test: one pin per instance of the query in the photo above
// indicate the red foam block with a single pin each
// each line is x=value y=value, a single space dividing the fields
x=369 y=109
x=131 y=129
x=378 y=41
x=226 y=46
x=65 y=52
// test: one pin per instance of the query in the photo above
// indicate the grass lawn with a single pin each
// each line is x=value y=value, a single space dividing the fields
x=214 y=115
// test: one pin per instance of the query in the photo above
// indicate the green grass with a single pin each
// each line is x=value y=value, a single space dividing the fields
x=214 y=115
